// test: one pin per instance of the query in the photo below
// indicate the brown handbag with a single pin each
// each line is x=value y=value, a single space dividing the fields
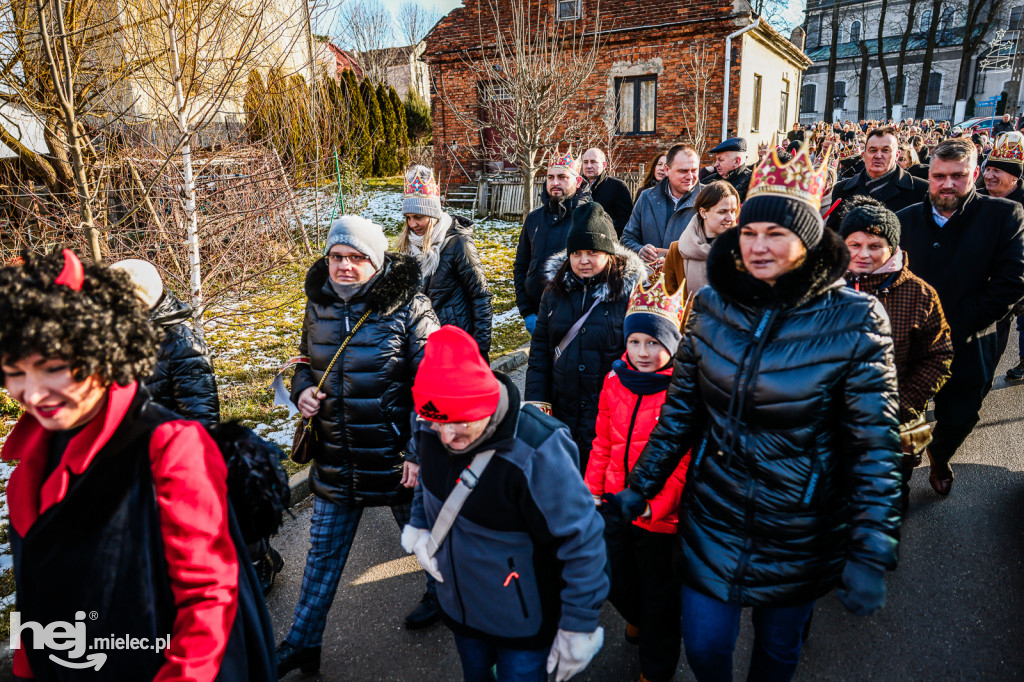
x=915 y=435
x=302 y=441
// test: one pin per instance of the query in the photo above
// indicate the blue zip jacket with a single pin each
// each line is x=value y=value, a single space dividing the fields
x=526 y=554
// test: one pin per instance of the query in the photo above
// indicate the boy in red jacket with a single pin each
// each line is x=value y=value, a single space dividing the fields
x=643 y=555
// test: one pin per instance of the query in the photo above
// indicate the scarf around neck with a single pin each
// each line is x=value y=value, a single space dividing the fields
x=430 y=256
x=640 y=383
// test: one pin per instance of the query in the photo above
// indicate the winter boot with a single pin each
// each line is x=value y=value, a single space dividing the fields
x=306 y=659
x=267 y=568
x=1016 y=373
x=425 y=614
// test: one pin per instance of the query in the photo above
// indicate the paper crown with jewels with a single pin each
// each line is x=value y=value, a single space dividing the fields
x=795 y=179
x=419 y=182
x=844 y=151
x=564 y=161
x=656 y=300
x=1009 y=148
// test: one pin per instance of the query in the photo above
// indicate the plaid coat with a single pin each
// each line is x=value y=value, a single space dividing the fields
x=920 y=335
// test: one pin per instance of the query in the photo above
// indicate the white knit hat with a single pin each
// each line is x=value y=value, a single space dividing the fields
x=149 y=287
x=363 y=235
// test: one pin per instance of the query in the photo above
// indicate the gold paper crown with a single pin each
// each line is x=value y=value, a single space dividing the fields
x=795 y=179
x=419 y=181
x=846 y=151
x=1009 y=147
x=565 y=161
x=655 y=300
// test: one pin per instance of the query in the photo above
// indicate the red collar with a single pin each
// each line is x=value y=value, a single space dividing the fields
x=28 y=495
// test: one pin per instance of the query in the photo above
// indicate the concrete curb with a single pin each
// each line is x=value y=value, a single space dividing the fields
x=298 y=484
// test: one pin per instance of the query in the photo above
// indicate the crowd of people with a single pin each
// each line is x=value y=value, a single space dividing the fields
x=724 y=403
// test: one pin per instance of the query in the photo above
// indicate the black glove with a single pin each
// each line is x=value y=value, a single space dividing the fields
x=627 y=504
x=864 y=588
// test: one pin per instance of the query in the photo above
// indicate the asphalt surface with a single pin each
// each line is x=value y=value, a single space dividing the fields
x=955 y=608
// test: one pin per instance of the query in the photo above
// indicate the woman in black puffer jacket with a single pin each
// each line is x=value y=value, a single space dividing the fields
x=361 y=414
x=453 y=278
x=785 y=388
x=598 y=270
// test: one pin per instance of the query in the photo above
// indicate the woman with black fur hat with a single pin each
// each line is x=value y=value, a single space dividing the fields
x=922 y=345
x=579 y=326
x=784 y=388
x=118 y=507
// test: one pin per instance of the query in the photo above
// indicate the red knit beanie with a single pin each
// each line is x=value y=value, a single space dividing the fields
x=454 y=383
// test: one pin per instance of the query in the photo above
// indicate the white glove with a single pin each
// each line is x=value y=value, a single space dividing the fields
x=410 y=535
x=572 y=651
x=428 y=563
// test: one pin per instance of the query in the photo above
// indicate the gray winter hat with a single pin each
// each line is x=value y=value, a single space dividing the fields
x=422 y=196
x=365 y=236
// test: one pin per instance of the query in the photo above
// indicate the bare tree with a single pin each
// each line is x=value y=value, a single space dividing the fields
x=699 y=70
x=783 y=16
x=901 y=56
x=415 y=21
x=529 y=69
x=929 y=54
x=978 y=15
x=830 y=85
x=366 y=29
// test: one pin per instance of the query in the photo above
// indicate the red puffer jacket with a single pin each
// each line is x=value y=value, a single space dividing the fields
x=624 y=422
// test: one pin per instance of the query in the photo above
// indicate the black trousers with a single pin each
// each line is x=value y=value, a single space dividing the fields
x=645 y=589
x=958 y=402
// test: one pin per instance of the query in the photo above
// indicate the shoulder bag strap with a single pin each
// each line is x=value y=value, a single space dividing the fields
x=574 y=330
x=456 y=498
x=309 y=422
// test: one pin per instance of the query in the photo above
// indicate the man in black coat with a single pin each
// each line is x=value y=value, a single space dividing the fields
x=970 y=248
x=729 y=165
x=1003 y=126
x=611 y=193
x=1003 y=173
x=882 y=179
x=544 y=231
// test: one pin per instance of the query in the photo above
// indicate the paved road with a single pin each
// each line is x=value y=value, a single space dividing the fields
x=955 y=609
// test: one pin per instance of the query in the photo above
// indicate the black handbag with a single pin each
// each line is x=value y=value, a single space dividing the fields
x=302 y=441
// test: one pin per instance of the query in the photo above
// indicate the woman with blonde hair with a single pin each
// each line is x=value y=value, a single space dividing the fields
x=452 y=275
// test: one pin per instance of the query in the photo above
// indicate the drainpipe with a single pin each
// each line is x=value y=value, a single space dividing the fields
x=728 y=72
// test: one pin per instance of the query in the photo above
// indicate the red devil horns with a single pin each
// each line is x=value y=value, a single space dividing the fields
x=73 y=274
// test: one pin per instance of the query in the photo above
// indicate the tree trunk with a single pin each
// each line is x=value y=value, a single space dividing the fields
x=886 y=86
x=929 y=54
x=862 y=89
x=529 y=173
x=901 y=58
x=188 y=180
x=830 y=87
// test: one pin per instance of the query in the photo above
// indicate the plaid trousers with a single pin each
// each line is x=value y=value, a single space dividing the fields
x=331 y=533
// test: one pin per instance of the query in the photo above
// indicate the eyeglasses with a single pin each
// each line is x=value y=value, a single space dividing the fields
x=357 y=259
x=454 y=428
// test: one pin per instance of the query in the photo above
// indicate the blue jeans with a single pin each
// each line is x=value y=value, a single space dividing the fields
x=331 y=532
x=479 y=657
x=710 y=629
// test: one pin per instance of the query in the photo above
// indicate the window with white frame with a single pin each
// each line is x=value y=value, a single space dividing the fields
x=567 y=10
x=854 y=31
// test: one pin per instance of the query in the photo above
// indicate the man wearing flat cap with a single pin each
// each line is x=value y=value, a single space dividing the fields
x=729 y=165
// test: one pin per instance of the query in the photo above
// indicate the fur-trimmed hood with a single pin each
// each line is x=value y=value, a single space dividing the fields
x=633 y=270
x=824 y=269
x=396 y=284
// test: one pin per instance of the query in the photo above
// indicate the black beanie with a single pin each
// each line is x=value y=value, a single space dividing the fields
x=1014 y=169
x=795 y=215
x=872 y=218
x=592 y=230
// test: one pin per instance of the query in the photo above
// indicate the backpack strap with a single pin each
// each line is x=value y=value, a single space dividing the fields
x=456 y=498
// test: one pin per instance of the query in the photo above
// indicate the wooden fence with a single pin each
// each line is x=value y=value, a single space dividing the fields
x=502 y=196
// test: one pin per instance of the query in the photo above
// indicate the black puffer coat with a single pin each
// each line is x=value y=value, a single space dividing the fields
x=543 y=235
x=183 y=379
x=458 y=288
x=788 y=397
x=364 y=422
x=572 y=384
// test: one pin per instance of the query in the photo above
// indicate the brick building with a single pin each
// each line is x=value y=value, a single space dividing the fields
x=640 y=80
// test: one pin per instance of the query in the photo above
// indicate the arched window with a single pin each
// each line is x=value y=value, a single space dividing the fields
x=926 y=20
x=934 y=88
x=808 y=98
x=854 y=31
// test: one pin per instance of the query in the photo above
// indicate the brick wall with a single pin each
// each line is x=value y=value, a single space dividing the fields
x=641 y=37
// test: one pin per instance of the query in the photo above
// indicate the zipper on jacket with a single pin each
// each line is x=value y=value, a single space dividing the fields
x=513 y=576
x=629 y=438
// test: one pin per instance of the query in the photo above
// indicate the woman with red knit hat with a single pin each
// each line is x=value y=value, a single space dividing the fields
x=502 y=520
